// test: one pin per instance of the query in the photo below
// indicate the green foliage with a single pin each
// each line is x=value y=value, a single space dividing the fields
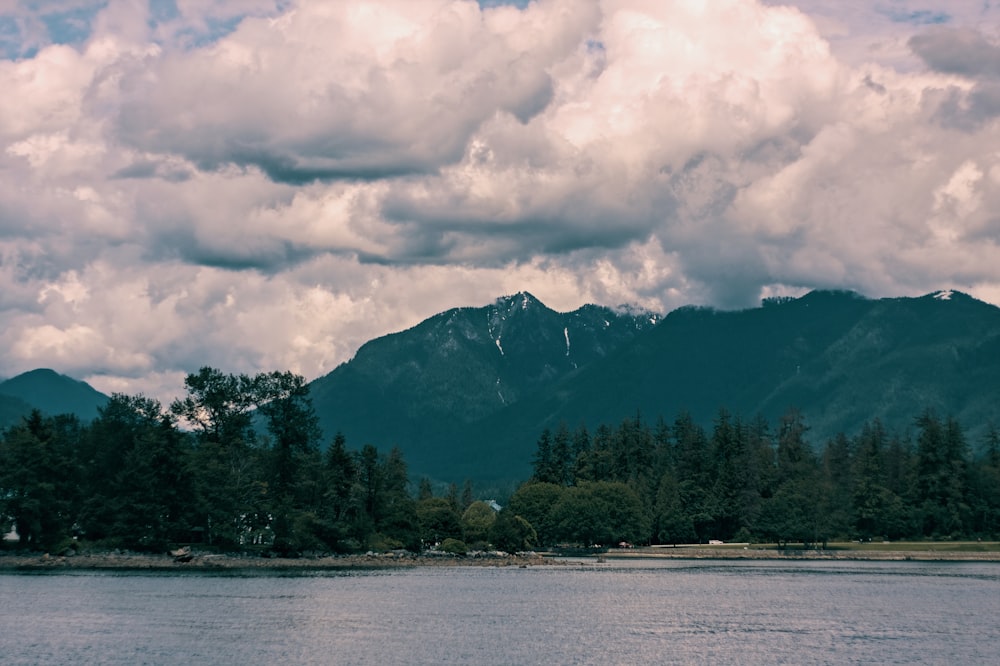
x=134 y=478
x=511 y=533
x=453 y=546
x=744 y=483
x=476 y=523
x=438 y=520
x=599 y=512
x=534 y=501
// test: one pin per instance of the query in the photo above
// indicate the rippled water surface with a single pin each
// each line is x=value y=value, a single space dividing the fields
x=762 y=612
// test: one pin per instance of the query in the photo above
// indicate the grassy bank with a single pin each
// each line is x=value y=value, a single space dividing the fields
x=899 y=550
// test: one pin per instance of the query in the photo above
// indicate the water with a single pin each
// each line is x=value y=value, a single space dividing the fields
x=759 y=612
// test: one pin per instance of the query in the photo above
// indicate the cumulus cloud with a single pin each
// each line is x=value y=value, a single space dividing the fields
x=268 y=184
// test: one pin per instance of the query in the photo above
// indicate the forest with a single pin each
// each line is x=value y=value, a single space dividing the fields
x=237 y=466
x=676 y=483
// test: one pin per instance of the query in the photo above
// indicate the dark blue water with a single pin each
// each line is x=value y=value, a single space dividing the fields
x=654 y=612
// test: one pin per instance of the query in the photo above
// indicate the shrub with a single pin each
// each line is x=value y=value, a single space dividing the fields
x=453 y=546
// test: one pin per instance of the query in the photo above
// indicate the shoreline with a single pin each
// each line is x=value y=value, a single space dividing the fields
x=130 y=561
x=208 y=562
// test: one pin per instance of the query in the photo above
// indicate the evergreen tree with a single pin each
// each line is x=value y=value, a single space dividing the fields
x=562 y=456
x=35 y=489
x=545 y=467
x=940 y=476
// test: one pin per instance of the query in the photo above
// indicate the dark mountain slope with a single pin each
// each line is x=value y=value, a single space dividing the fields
x=49 y=392
x=841 y=359
x=419 y=388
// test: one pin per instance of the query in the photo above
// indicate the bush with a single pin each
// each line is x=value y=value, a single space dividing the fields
x=453 y=546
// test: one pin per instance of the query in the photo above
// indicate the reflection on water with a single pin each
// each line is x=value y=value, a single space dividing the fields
x=756 y=612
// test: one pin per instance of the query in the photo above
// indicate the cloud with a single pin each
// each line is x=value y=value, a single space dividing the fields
x=268 y=184
x=969 y=53
x=964 y=51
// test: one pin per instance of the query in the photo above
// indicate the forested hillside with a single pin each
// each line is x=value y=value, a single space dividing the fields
x=461 y=401
x=421 y=389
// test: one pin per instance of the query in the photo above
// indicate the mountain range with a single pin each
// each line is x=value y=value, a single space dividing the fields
x=466 y=393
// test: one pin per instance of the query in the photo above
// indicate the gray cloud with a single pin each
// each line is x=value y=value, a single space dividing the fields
x=964 y=51
x=275 y=192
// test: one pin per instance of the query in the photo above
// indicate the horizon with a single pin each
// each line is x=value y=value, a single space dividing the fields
x=269 y=184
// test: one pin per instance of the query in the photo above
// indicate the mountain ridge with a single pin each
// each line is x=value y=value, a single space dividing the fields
x=837 y=356
x=466 y=392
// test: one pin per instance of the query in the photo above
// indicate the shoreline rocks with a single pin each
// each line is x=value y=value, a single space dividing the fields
x=188 y=560
x=205 y=561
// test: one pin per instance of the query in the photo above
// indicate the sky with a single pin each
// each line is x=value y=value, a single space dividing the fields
x=263 y=185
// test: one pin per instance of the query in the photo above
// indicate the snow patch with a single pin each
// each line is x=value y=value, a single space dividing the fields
x=566 y=335
x=944 y=295
x=497 y=341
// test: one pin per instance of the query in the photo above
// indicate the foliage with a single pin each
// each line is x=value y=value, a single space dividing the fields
x=476 y=522
x=236 y=465
x=453 y=546
x=512 y=533
x=676 y=483
x=248 y=474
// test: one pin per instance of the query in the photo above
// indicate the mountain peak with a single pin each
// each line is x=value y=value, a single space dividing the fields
x=521 y=300
x=949 y=295
x=54 y=393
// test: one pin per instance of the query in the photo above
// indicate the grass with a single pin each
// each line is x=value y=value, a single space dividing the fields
x=922 y=546
x=878 y=546
x=867 y=546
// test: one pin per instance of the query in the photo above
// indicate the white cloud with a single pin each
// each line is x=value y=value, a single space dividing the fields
x=261 y=185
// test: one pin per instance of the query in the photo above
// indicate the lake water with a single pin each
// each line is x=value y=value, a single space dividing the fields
x=712 y=612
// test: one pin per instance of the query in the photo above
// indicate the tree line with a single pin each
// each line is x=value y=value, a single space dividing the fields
x=742 y=481
x=235 y=465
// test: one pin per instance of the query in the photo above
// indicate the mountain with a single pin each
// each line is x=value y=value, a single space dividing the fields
x=49 y=392
x=422 y=388
x=467 y=392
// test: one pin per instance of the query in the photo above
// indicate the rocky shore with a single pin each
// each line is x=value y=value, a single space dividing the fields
x=198 y=561
x=207 y=561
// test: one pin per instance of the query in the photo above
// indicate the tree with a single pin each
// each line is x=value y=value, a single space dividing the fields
x=672 y=524
x=139 y=494
x=35 y=489
x=511 y=533
x=229 y=493
x=562 y=456
x=293 y=498
x=941 y=476
x=466 y=500
x=438 y=520
x=545 y=466
x=476 y=523
x=218 y=405
x=793 y=512
x=837 y=482
x=600 y=512
x=534 y=501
